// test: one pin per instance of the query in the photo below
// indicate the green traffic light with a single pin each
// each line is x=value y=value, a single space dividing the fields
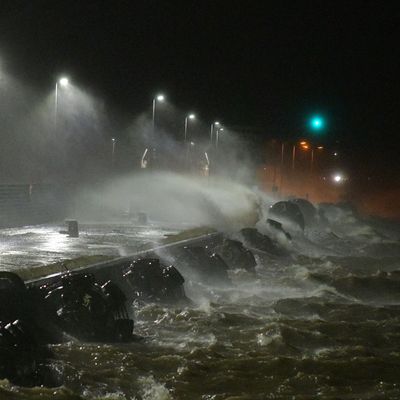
x=317 y=123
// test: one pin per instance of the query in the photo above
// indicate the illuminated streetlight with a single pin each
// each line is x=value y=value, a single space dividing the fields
x=306 y=146
x=338 y=178
x=312 y=156
x=63 y=82
x=217 y=136
x=303 y=145
x=159 y=98
x=192 y=117
x=213 y=125
x=113 y=140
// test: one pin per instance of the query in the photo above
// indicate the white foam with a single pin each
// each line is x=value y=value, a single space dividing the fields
x=153 y=390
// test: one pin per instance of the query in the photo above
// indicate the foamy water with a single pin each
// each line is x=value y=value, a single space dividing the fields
x=321 y=322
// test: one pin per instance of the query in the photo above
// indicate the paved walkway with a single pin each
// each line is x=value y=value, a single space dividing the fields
x=40 y=245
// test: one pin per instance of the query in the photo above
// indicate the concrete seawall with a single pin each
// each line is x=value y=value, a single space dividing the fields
x=111 y=269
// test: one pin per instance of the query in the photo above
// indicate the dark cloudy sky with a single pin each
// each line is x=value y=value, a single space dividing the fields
x=255 y=63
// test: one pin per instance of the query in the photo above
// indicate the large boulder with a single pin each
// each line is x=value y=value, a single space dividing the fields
x=14 y=302
x=197 y=263
x=22 y=354
x=82 y=308
x=236 y=255
x=152 y=281
x=17 y=302
x=288 y=214
x=277 y=230
x=18 y=353
x=255 y=239
x=307 y=209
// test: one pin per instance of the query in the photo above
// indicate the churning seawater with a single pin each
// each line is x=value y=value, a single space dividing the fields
x=321 y=322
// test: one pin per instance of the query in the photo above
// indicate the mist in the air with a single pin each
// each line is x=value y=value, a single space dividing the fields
x=107 y=167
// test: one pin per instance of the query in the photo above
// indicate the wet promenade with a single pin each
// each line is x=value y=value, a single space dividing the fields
x=39 y=245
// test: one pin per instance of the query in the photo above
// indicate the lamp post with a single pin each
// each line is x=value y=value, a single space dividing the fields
x=304 y=145
x=213 y=125
x=217 y=136
x=282 y=159
x=188 y=117
x=113 y=140
x=293 y=156
x=63 y=82
x=159 y=98
x=313 y=157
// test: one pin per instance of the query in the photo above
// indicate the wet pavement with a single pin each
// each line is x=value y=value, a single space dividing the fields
x=33 y=246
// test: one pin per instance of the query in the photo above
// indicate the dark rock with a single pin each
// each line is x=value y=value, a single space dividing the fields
x=18 y=353
x=287 y=213
x=277 y=226
x=253 y=238
x=84 y=309
x=22 y=354
x=236 y=255
x=151 y=280
x=307 y=209
x=200 y=265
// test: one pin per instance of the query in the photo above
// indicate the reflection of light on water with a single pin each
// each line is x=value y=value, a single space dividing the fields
x=151 y=232
x=30 y=246
x=55 y=242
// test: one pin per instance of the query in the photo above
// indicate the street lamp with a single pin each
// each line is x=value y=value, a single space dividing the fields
x=213 y=125
x=338 y=178
x=306 y=146
x=293 y=156
x=63 y=82
x=192 y=117
x=217 y=136
x=303 y=145
x=281 y=170
x=113 y=140
x=159 y=98
x=312 y=156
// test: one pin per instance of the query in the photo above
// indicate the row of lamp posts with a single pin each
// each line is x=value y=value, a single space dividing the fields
x=64 y=82
x=215 y=129
x=303 y=146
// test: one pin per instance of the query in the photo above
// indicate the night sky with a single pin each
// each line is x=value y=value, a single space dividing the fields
x=263 y=64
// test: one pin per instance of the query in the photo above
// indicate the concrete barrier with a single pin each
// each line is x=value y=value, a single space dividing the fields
x=111 y=269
